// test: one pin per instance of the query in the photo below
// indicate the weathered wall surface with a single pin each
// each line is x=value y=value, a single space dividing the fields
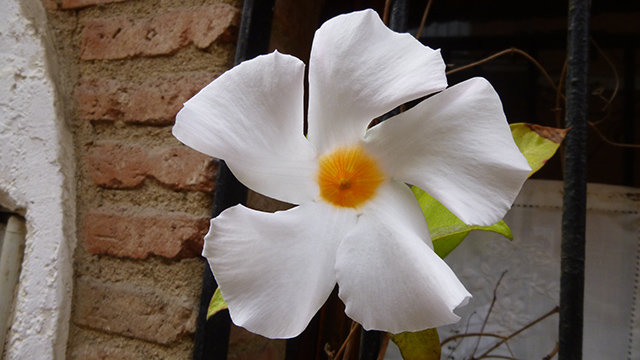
x=36 y=180
x=144 y=200
x=116 y=208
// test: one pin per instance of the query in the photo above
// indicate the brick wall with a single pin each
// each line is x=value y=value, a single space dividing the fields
x=144 y=199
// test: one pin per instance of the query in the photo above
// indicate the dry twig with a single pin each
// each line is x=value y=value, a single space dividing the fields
x=347 y=341
x=486 y=353
x=424 y=19
x=383 y=346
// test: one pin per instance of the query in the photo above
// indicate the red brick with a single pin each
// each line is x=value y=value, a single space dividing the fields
x=140 y=233
x=101 y=352
x=74 y=4
x=50 y=4
x=115 y=165
x=124 y=37
x=154 y=102
x=118 y=166
x=183 y=168
x=132 y=311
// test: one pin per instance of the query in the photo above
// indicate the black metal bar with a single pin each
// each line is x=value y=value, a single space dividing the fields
x=628 y=116
x=255 y=29
x=212 y=336
x=370 y=342
x=399 y=17
x=575 y=185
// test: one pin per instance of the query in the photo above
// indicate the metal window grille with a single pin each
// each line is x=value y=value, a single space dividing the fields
x=212 y=336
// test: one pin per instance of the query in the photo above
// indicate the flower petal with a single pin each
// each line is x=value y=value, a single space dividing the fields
x=252 y=118
x=275 y=270
x=360 y=69
x=456 y=146
x=389 y=278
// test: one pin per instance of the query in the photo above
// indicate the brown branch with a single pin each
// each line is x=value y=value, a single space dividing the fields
x=466 y=331
x=383 y=346
x=486 y=353
x=458 y=336
x=509 y=348
x=615 y=73
x=385 y=13
x=552 y=353
x=610 y=142
x=557 y=88
x=347 y=341
x=504 y=52
x=486 y=319
x=559 y=96
x=424 y=19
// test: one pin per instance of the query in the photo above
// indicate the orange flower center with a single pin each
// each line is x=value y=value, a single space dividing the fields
x=348 y=177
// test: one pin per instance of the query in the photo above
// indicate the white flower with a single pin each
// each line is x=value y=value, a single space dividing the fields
x=356 y=224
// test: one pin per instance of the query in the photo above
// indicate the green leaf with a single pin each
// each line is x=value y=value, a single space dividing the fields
x=421 y=345
x=447 y=231
x=217 y=304
x=537 y=143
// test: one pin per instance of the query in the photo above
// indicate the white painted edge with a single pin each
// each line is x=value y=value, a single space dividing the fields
x=37 y=181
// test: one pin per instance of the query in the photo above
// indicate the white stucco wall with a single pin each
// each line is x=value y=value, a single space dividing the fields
x=36 y=180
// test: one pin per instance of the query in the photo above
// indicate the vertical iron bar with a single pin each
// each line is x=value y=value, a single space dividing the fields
x=370 y=341
x=628 y=115
x=212 y=336
x=575 y=185
x=398 y=17
x=255 y=29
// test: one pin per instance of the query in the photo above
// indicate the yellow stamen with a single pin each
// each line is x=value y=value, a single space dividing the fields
x=348 y=177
